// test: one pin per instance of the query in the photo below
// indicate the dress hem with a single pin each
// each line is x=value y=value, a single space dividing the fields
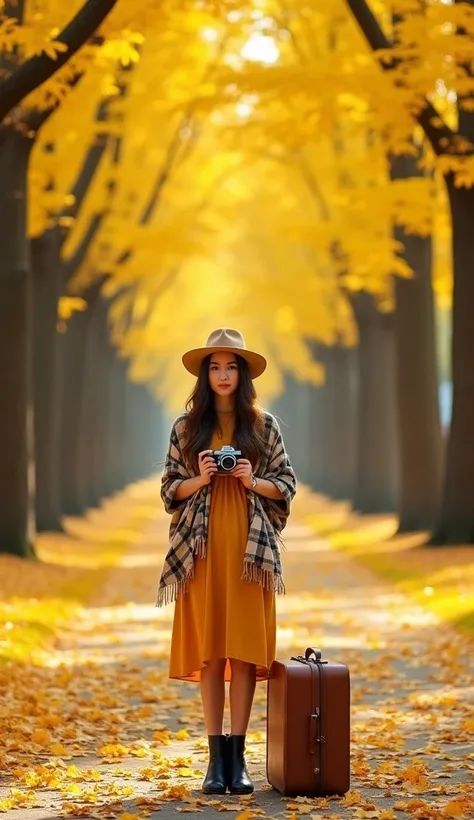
x=263 y=672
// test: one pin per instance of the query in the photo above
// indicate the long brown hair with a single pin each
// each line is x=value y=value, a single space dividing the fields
x=202 y=418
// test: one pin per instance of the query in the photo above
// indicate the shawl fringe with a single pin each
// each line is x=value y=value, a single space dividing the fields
x=200 y=547
x=169 y=593
x=263 y=577
x=281 y=541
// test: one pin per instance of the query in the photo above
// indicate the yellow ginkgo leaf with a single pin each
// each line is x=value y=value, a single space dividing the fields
x=57 y=749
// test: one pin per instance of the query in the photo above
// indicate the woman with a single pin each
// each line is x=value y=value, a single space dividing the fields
x=223 y=565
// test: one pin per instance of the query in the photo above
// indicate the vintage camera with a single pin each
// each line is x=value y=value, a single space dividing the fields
x=226 y=458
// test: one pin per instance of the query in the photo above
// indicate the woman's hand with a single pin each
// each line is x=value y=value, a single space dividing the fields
x=207 y=466
x=243 y=470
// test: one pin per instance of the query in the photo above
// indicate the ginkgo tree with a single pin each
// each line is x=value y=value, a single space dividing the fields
x=339 y=211
x=247 y=183
x=26 y=32
x=90 y=180
x=311 y=110
x=429 y=68
x=424 y=77
x=345 y=207
x=31 y=90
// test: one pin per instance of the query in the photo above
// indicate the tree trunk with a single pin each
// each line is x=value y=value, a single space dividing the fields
x=283 y=409
x=340 y=426
x=115 y=451
x=377 y=447
x=143 y=440
x=316 y=406
x=456 y=525
x=17 y=501
x=326 y=414
x=148 y=434
x=155 y=439
x=319 y=412
x=72 y=443
x=416 y=375
x=159 y=441
x=298 y=418
x=128 y=437
x=318 y=400
x=90 y=422
x=47 y=371
x=141 y=419
x=137 y=421
x=103 y=355
x=417 y=390
x=333 y=422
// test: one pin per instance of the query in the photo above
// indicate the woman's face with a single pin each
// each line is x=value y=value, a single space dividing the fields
x=223 y=373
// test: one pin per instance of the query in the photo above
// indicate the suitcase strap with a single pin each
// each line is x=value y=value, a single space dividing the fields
x=311 y=655
x=316 y=738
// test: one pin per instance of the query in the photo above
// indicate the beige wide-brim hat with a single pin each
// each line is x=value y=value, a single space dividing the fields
x=224 y=339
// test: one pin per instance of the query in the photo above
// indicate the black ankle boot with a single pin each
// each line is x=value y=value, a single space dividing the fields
x=239 y=781
x=215 y=780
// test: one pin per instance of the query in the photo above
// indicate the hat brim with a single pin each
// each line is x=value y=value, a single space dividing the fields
x=192 y=359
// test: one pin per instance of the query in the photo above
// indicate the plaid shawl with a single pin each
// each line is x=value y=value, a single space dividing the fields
x=189 y=522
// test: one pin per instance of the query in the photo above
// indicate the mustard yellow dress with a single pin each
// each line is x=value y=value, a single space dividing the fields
x=221 y=616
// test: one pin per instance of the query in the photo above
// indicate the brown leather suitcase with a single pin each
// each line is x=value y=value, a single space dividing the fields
x=308 y=726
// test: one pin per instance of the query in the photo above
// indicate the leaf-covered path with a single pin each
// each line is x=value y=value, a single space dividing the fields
x=99 y=731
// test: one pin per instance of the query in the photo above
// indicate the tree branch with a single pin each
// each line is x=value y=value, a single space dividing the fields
x=184 y=135
x=35 y=71
x=73 y=264
x=93 y=292
x=168 y=165
x=377 y=40
x=34 y=119
x=178 y=144
x=16 y=11
x=465 y=115
x=86 y=174
x=313 y=187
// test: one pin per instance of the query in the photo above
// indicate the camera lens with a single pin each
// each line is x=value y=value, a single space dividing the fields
x=228 y=462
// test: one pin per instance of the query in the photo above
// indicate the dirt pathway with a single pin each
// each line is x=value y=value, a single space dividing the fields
x=101 y=732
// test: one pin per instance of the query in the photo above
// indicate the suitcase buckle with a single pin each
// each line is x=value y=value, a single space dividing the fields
x=314 y=731
x=307 y=661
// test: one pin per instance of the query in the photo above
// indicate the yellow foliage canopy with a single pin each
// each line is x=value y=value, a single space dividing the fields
x=230 y=176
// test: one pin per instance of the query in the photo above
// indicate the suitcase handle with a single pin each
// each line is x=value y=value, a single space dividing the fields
x=311 y=651
x=307 y=658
